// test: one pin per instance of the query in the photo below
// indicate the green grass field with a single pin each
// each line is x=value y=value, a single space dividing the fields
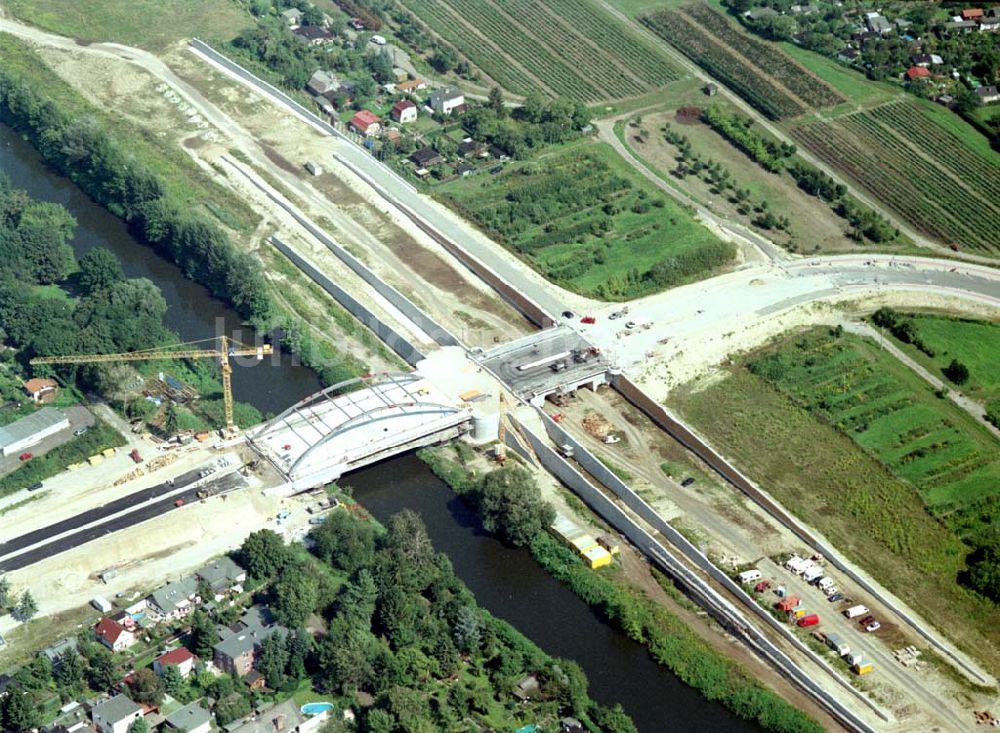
x=974 y=343
x=885 y=494
x=891 y=413
x=852 y=84
x=150 y=24
x=584 y=219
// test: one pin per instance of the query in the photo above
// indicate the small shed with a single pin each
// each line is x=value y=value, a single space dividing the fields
x=101 y=603
x=313 y=167
x=711 y=89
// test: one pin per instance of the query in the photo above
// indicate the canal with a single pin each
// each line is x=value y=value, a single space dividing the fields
x=505 y=581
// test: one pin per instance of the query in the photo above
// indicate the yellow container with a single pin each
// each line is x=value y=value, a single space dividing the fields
x=95 y=460
x=596 y=557
x=863 y=668
x=109 y=453
x=797 y=613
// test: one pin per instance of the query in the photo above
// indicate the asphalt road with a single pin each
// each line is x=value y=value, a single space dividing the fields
x=40 y=549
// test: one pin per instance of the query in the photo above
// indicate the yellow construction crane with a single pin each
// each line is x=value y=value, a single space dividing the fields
x=505 y=417
x=227 y=348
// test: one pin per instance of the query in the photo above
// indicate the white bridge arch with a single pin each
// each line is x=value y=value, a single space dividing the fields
x=355 y=423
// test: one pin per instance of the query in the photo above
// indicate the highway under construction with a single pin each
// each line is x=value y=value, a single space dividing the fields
x=453 y=389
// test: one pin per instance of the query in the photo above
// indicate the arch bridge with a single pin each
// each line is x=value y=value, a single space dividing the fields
x=355 y=423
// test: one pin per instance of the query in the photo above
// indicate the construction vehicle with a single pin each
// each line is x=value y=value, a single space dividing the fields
x=227 y=348
x=501 y=452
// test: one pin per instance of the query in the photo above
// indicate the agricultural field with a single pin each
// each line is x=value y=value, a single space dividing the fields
x=813 y=224
x=150 y=24
x=928 y=174
x=857 y=445
x=589 y=223
x=976 y=344
x=568 y=48
x=760 y=72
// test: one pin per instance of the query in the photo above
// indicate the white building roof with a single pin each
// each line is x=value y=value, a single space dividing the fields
x=29 y=425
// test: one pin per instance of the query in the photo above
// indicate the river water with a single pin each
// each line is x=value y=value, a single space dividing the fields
x=505 y=581
x=271 y=385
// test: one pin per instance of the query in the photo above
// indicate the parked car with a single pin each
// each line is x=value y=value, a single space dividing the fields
x=568 y=314
x=26 y=456
x=687 y=482
x=80 y=431
x=866 y=620
x=836 y=597
x=873 y=626
x=35 y=486
x=630 y=324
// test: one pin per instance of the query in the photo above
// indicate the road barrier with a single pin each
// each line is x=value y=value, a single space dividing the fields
x=407 y=351
x=687 y=438
x=407 y=307
x=709 y=599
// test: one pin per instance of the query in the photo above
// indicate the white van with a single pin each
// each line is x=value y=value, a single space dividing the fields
x=749 y=576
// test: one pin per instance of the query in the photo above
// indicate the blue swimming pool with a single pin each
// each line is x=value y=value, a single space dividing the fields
x=316 y=708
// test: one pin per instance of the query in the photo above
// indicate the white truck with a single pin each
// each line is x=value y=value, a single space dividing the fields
x=825 y=583
x=812 y=574
x=855 y=611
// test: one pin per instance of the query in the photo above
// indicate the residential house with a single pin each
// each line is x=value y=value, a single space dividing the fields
x=972 y=14
x=945 y=100
x=314 y=35
x=878 y=23
x=174 y=600
x=113 y=635
x=115 y=715
x=917 y=72
x=961 y=26
x=804 y=9
x=322 y=83
x=237 y=652
x=470 y=148
x=56 y=652
x=223 y=576
x=848 y=55
x=411 y=85
x=761 y=13
x=990 y=24
x=426 y=157
x=41 y=390
x=180 y=658
x=447 y=100
x=292 y=16
x=988 y=95
x=366 y=123
x=927 y=59
x=464 y=169
x=192 y=718
x=404 y=111
x=527 y=687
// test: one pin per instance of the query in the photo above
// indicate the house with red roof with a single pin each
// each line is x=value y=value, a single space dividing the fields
x=180 y=658
x=366 y=123
x=42 y=390
x=404 y=111
x=972 y=14
x=917 y=72
x=113 y=635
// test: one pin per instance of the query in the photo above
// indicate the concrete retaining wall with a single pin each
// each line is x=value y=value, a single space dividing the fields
x=409 y=353
x=723 y=611
x=683 y=435
x=407 y=307
x=531 y=310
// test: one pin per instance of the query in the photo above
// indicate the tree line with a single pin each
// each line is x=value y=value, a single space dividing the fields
x=80 y=148
x=669 y=641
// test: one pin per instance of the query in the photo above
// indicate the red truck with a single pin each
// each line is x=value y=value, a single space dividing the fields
x=810 y=620
x=134 y=455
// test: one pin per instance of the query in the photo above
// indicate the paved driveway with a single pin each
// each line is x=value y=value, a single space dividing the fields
x=79 y=417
